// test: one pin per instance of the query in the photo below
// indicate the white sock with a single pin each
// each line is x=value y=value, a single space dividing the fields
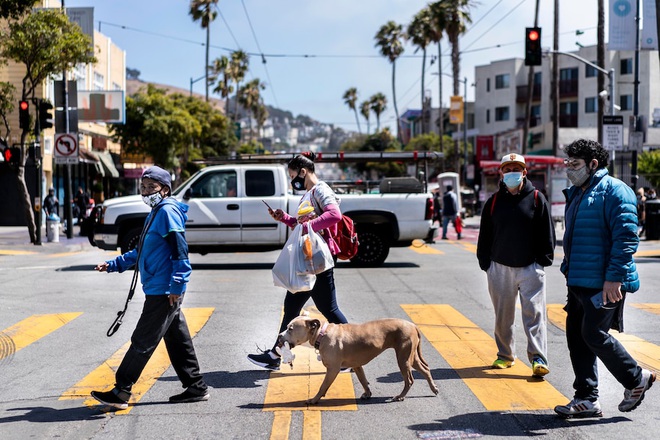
x=273 y=355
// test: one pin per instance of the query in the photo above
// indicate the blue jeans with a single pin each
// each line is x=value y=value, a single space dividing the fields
x=587 y=334
x=324 y=296
x=445 y=224
x=159 y=321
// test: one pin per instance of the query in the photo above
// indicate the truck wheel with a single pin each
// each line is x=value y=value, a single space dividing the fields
x=130 y=240
x=373 y=249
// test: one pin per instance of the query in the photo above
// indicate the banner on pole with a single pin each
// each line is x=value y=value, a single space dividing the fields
x=622 y=25
x=650 y=30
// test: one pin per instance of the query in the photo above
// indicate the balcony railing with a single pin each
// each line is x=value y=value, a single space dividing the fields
x=568 y=121
x=521 y=93
x=568 y=88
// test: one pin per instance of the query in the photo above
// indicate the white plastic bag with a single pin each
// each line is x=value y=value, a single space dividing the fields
x=317 y=255
x=284 y=270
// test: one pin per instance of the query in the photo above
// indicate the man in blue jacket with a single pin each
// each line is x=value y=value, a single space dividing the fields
x=162 y=259
x=599 y=242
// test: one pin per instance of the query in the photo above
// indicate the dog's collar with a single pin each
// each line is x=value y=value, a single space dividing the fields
x=320 y=335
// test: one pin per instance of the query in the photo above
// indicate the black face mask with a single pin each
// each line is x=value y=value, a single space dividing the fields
x=298 y=182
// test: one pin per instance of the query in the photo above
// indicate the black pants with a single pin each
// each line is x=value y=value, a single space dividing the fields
x=587 y=334
x=159 y=321
x=324 y=296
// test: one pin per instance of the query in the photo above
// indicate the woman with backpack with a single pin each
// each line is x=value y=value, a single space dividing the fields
x=327 y=215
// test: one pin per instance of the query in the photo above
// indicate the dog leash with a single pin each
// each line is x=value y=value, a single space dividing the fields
x=131 y=291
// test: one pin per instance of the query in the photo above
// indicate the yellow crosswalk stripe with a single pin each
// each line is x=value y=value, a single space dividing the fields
x=30 y=330
x=470 y=352
x=645 y=353
x=103 y=377
x=426 y=249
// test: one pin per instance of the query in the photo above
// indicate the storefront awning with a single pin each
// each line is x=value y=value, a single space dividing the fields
x=108 y=164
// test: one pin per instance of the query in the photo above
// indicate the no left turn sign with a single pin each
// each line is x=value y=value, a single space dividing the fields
x=66 y=145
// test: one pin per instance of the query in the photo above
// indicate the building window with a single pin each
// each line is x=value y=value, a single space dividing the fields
x=626 y=66
x=591 y=105
x=501 y=113
x=568 y=114
x=535 y=115
x=99 y=82
x=502 y=81
x=79 y=74
x=487 y=116
x=487 y=84
x=568 y=74
x=626 y=102
x=116 y=86
x=589 y=71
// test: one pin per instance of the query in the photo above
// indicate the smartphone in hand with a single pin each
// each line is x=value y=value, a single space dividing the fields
x=269 y=208
x=597 y=300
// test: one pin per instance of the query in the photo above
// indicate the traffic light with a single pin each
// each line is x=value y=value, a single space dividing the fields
x=24 y=115
x=12 y=155
x=6 y=154
x=533 y=55
x=45 y=115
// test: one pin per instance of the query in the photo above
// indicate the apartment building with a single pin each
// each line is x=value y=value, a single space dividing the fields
x=501 y=96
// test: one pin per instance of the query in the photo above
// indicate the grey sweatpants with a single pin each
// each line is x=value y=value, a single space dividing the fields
x=505 y=284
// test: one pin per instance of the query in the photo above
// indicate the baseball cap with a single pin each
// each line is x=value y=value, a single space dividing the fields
x=513 y=158
x=159 y=175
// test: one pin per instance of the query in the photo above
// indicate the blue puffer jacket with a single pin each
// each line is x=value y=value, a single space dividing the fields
x=601 y=234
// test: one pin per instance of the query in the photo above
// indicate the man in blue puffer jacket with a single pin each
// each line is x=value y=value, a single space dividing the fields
x=599 y=242
x=162 y=259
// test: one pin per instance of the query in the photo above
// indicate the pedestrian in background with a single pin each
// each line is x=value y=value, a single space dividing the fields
x=162 y=259
x=449 y=211
x=516 y=243
x=599 y=242
x=51 y=204
x=327 y=214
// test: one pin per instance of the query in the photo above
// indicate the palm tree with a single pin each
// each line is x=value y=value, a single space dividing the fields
x=378 y=104
x=420 y=31
x=239 y=64
x=458 y=17
x=350 y=99
x=261 y=116
x=390 y=41
x=205 y=11
x=221 y=73
x=249 y=96
x=439 y=24
x=365 y=110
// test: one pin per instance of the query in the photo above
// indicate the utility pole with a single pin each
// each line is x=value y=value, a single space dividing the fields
x=636 y=125
x=600 y=60
x=68 y=193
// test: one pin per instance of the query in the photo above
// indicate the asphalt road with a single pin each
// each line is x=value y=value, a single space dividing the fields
x=55 y=310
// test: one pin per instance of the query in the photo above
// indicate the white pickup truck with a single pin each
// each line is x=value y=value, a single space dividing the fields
x=226 y=214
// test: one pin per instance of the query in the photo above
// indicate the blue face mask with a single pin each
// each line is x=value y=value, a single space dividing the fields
x=513 y=179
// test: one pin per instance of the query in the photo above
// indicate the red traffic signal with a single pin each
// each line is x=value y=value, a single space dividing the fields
x=533 y=54
x=24 y=115
x=6 y=154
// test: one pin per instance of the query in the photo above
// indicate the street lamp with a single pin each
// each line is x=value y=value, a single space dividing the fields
x=193 y=81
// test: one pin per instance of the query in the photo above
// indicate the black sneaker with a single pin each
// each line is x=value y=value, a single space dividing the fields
x=265 y=360
x=188 y=396
x=110 y=398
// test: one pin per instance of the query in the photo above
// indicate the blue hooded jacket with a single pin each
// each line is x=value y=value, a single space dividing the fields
x=601 y=234
x=164 y=266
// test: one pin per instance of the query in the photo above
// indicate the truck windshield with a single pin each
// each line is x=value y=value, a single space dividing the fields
x=183 y=185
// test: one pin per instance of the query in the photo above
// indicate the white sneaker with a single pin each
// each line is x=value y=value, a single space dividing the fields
x=632 y=398
x=578 y=408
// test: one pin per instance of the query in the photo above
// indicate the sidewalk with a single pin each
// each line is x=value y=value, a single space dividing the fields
x=17 y=238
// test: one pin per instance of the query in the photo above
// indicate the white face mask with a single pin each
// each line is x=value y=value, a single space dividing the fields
x=153 y=199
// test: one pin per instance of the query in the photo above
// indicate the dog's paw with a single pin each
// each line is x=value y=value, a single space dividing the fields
x=435 y=391
x=365 y=396
x=398 y=399
x=312 y=401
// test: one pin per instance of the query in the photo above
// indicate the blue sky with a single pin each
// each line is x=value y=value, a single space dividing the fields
x=162 y=41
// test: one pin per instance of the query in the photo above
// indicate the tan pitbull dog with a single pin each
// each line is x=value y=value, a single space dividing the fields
x=354 y=345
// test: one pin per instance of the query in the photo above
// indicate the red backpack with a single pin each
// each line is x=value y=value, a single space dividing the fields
x=346 y=238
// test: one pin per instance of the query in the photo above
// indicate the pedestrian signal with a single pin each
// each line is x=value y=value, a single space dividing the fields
x=45 y=115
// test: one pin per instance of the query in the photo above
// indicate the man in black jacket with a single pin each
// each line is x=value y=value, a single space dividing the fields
x=516 y=242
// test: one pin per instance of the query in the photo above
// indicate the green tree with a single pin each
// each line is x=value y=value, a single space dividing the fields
x=458 y=17
x=350 y=99
x=261 y=116
x=158 y=126
x=6 y=108
x=649 y=167
x=378 y=104
x=390 y=41
x=15 y=9
x=205 y=11
x=45 y=43
x=365 y=111
x=420 y=33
